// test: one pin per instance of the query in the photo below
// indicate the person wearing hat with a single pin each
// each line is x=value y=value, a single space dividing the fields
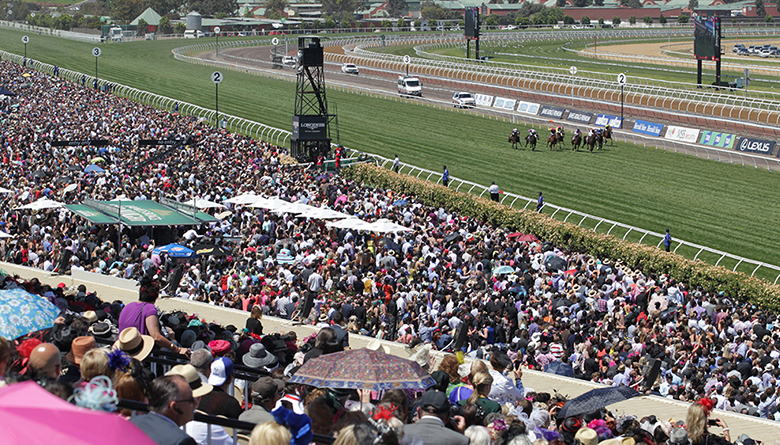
x=678 y=437
x=134 y=344
x=258 y=357
x=265 y=392
x=218 y=402
x=586 y=436
x=79 y=347
x=142 y=315
x=434 y=419
x=172 y=405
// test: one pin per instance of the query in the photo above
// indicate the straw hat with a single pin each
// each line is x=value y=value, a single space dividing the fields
x=587 y=436
x=134 y=344
x=376 y=345
x=190 y=374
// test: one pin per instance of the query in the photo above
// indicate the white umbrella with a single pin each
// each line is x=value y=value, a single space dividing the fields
x=351 y=223
x=204 y=204
x=5 y=190
x=384 y=225
x=43 y=203
x=324 y=213
x=70 y=188
x=269 y=203
x=293 y=207
x=246 y=198
x=5 y=235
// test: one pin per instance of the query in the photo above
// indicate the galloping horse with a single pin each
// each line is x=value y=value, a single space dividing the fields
x=552 y=141
x=594 y=139
x=514 y=138
x=576 y=141
x=530 y=139
x=561 y=137
x=608 y=135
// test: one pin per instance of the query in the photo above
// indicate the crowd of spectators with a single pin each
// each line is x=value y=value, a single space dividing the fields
x=608 y=320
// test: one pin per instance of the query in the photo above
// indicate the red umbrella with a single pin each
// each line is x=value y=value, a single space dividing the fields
x=362 y=369
x=529 y=239
x=571 y=271
x=30 y=414
x=514 y=235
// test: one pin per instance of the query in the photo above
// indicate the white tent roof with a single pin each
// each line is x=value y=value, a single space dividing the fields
x=43 y=203
x=324 y=213
x=204 y=204
x=246 y=198
x=384 y=225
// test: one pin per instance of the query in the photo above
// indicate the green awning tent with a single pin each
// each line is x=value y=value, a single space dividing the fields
x=141 y=213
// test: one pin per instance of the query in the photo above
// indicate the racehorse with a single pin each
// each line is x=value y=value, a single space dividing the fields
x=607 y=133
x=530 y=139
x=576 y=141
x=552 y=141
x=594 y=139
x=514 y=138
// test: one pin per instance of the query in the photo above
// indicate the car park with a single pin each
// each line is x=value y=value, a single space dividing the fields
x=349 y=68
x=463 y=100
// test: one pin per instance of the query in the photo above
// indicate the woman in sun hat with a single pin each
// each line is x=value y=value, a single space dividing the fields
x=142 y=315
x=134 y=344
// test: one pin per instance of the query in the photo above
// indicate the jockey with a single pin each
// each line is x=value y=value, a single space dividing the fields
x=532 y=132
x=577 y=132
x=552 y=131
x=608 y=127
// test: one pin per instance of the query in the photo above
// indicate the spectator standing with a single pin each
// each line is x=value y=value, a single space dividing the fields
x=445 y=177
x=396 y=164
x=667 y=240
x=539 y=202
x=493 y=189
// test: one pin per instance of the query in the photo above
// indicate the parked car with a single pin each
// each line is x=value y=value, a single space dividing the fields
x=743 y=52
x=765 y=53
x=737 y=47
x=349 y=68
x=289 y=61
x=463 y=100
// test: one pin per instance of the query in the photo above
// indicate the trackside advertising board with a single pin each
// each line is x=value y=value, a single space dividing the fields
x=602 y=120
x=682 y=134
x=648 y=128
x=581 y=117
x=552 y=112
x=757 y=146
x=483 y=100
x=504 y=103
x=528 y=107
x=715 y=139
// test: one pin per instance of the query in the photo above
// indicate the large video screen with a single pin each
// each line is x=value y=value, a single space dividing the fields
x=471 y=17
x=706 y=42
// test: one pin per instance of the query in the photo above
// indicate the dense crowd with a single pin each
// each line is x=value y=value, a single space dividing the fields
x=526 y=300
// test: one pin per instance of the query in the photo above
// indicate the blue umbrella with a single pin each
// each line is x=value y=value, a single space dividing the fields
x=22 y=312
x=400 y=202
x=503 y=270
x=559 y=368
x=93 y=168
x=175 y=251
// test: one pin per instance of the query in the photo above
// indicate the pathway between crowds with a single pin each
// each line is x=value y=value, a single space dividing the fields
x=764 y=430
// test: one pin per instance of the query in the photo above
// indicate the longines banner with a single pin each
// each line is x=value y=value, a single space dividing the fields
x=310 y=127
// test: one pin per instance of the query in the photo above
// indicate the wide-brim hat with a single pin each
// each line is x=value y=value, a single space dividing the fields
x=259 y=357
x=190 y=374
x=103 y=330
x=79 y=347
x=134 y=344
x=587 y=436
x=376 y=345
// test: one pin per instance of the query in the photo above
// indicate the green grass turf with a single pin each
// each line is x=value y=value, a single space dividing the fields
x=726 y=207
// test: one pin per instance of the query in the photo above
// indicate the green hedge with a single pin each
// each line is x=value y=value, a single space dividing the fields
x=567 y=235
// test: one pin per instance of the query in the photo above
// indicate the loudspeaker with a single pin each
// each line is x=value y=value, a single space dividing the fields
x=310 y=55
x=463 y=332
x=652 y=372
x=307 y=305
x=174 y=278
x=64 y=264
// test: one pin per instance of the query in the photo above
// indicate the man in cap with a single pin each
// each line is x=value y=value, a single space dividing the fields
x=218 y=401
x=172 y=405
x=433 y=426
x=266 y=391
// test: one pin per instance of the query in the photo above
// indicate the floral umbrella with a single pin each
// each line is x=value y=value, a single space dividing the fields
x=362 y=369
x=22 y=312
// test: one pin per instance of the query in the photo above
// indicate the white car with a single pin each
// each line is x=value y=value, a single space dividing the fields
x=289 y=61
x=463 y=100
x=349 y=68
